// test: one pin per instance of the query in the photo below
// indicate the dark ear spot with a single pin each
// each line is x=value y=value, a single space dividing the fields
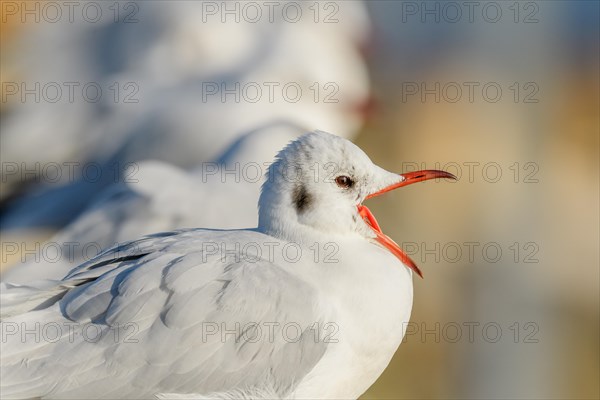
x=301 y=198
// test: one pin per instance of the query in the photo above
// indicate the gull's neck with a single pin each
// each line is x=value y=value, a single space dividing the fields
x=282 y=223
x=277 y=217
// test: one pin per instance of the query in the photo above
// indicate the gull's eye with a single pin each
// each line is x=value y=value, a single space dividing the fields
x=344 y=182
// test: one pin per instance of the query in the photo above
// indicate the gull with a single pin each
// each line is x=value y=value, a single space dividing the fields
x=227 y=190
x=191 y=314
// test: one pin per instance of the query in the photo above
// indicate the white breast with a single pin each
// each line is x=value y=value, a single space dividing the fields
x=373 y=296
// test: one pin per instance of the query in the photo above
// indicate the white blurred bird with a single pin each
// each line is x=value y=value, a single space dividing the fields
x=163 y=63
x=161 y=197
x=150 y=301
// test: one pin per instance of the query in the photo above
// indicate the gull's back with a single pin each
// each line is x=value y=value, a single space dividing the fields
x=140 y=320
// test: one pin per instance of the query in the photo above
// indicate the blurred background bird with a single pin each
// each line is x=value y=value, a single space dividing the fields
x=186 y=116
x=521 y=323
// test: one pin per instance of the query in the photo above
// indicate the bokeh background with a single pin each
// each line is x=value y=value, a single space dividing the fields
x=509 y=304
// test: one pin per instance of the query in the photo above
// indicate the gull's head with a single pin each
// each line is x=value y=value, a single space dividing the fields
x=317 y=184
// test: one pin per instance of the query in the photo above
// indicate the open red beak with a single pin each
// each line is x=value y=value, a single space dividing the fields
x=369 y=218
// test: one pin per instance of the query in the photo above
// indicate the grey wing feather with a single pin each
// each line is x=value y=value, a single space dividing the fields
x=169 y=321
